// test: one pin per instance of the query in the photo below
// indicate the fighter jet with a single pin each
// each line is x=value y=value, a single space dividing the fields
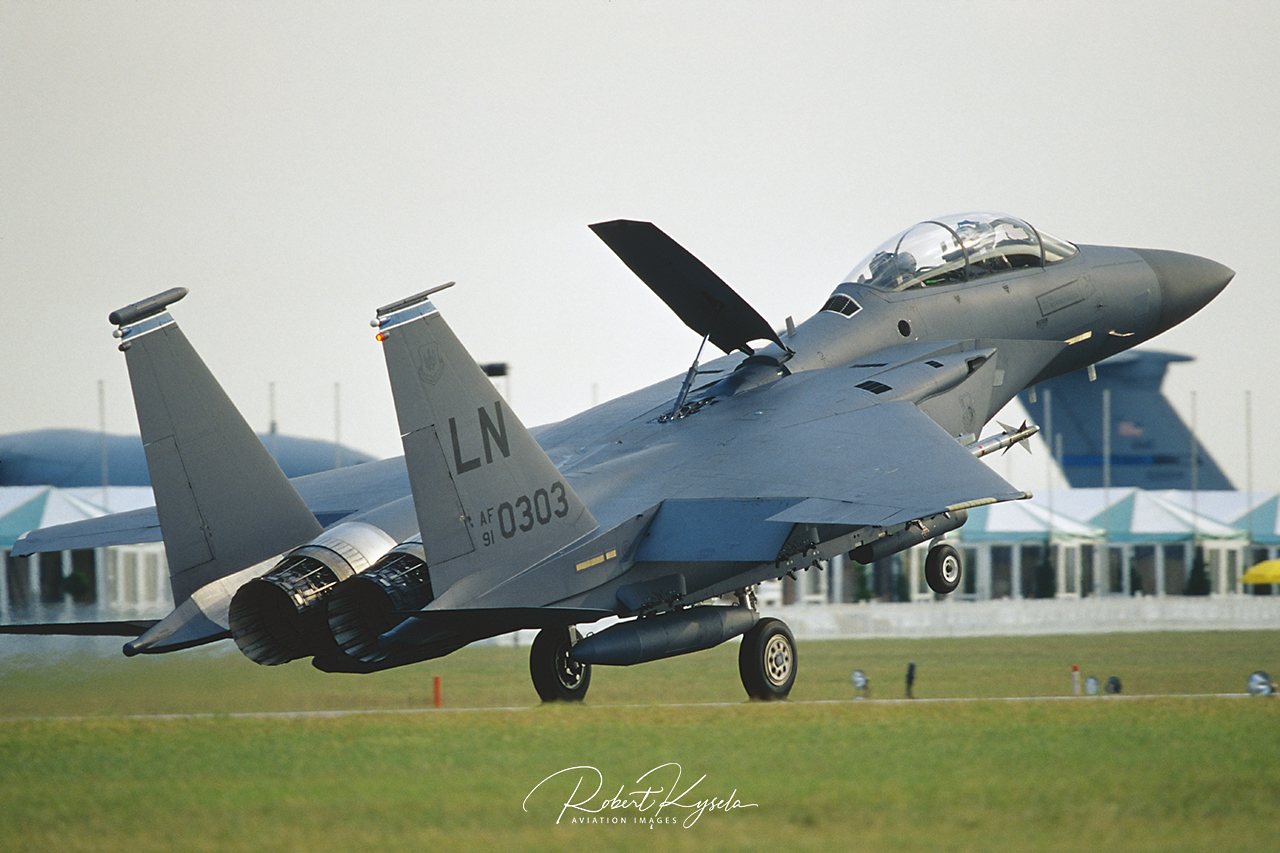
x=858 y=430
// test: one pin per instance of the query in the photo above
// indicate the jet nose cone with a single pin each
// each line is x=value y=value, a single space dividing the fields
x=1187 y=282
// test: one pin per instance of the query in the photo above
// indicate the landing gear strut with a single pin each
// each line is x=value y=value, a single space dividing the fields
x=767 y=660
x=556 y=676
x=942 y=569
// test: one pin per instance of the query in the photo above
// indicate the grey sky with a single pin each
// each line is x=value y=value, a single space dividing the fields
x=298 y=165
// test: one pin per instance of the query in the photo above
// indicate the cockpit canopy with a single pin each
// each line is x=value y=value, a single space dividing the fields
x=958 y=248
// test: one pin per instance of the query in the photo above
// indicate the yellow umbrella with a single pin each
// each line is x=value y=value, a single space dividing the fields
x=1267 y=572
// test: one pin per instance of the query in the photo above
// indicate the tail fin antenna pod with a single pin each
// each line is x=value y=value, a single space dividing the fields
x=223 y=502
x=484 y=491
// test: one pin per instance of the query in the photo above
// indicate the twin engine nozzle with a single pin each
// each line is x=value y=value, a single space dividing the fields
x=333 y=595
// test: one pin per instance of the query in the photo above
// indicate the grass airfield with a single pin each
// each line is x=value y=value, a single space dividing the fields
x=87 y=763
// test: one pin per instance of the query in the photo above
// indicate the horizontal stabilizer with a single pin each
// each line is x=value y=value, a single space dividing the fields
x=698 y=296
x=186 y=627
x=83 y=629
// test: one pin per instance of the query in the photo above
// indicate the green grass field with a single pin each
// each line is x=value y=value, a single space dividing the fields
x=1162 y=773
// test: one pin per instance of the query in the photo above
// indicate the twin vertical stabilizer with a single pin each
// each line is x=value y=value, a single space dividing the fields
x=485 y=492
x=223 y=502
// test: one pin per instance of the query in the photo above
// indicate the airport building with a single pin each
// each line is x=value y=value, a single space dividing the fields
x=1063 y=544
x=126 y=579
x=57 y=476
x=1077 y=543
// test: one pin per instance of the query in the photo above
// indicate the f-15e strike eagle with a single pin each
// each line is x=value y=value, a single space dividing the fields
x=858 y=430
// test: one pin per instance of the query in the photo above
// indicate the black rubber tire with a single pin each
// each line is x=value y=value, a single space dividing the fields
x=556 y=676
x=767 y=660
x=943 y=569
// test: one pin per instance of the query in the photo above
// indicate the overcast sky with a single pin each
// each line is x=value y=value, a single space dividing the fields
x=296 y=165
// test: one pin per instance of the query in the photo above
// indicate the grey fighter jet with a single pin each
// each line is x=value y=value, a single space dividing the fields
x=858 y=430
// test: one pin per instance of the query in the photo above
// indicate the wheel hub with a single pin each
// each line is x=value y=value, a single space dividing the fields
x=777 y=656
x=568 y=670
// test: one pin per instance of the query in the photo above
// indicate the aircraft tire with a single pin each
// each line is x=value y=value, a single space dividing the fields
x=767 y=660
x=942 y=569
x=556 y=676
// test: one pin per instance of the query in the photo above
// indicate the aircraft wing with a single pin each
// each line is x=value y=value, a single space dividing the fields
x=914 y=471
x=739 y=480
x=330 y=495
x=121 y=528
x=880 y=465
x=816 y=447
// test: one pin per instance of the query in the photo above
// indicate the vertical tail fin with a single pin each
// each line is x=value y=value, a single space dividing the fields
x=1150 y=444
x=224 y=504
x=485 y=492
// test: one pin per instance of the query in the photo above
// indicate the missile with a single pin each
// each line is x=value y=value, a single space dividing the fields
x=1004 y=440
x=663 y=636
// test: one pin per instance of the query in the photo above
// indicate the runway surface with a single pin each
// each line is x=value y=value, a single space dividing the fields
x=287 y=715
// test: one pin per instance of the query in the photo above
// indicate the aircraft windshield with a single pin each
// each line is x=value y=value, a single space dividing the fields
x=958 y=248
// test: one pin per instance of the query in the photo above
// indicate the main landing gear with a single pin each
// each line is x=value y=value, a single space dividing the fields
x=942 y=569
x=767 y=660
x=556 y=676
